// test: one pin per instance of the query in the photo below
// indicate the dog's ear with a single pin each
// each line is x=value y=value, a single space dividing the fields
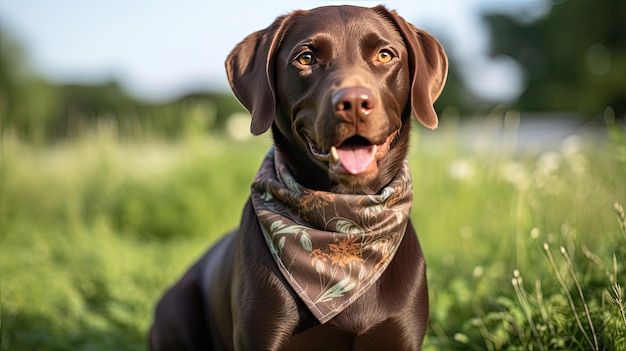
x=428 y=65
x=250 y=71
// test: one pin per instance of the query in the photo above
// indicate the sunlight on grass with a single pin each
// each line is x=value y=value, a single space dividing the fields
x=93 y=230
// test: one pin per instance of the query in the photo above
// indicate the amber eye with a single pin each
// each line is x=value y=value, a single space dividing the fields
x=384 y=56
x=306 y=59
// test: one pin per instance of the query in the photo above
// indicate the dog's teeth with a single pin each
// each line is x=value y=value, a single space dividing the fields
x=334 y=155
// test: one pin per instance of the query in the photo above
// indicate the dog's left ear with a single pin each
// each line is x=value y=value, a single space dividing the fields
x=428 y=65
x=250 y=72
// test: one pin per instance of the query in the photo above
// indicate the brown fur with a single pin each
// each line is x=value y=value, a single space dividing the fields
x=234 y=297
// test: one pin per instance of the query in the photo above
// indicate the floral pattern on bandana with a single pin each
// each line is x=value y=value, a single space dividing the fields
x=330 y=247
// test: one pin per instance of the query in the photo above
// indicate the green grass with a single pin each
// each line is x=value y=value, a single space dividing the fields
x=524 y=250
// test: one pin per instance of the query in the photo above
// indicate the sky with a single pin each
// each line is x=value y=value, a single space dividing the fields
x=161 y=49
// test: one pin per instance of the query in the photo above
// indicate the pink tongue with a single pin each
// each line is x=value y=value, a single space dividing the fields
x=355 y=159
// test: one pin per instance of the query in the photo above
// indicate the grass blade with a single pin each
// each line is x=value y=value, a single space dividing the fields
x=567 y=293
x=582 y=296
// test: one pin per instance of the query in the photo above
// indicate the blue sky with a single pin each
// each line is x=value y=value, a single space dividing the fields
x=161 y=48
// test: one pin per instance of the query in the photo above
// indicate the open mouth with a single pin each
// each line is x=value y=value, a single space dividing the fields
x=356 y=155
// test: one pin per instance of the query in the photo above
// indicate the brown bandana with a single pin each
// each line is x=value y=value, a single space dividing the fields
x=330 y=247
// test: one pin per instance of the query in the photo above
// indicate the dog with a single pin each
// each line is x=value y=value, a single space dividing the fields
x=325 y=257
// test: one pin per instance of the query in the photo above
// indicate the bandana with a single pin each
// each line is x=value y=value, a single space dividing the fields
x=330 y=247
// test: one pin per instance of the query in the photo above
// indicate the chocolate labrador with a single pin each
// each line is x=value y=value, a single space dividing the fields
x=325 y=257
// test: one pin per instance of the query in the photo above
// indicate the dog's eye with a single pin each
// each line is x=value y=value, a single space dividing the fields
x=306 y=59
x=384 y=56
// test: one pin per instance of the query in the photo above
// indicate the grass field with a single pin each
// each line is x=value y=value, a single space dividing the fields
x=526 y=250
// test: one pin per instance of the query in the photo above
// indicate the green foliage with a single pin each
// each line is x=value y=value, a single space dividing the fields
x=40 y=113
x=574 y=57
x=92 y=231
x=493 y=284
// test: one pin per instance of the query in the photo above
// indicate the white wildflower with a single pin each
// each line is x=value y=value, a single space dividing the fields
x=462 y=169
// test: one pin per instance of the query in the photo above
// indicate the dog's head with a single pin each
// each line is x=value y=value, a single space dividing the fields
x=338 y=84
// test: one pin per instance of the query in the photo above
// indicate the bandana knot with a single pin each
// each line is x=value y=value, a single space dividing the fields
x=330 y=247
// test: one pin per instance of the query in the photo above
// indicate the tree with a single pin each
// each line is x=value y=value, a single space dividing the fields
x=574 y=58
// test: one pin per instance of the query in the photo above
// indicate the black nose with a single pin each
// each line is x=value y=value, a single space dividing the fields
x=353 y=102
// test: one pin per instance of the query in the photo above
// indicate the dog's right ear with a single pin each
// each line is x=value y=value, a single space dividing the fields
x=250 y=71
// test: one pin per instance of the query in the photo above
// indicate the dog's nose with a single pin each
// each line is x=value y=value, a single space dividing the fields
x=353 y=102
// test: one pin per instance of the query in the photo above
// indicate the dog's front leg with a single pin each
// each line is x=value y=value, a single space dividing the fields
x=264 y=313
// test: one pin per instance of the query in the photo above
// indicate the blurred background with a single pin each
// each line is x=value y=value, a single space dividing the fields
x=157 y=67
x=124 y=155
